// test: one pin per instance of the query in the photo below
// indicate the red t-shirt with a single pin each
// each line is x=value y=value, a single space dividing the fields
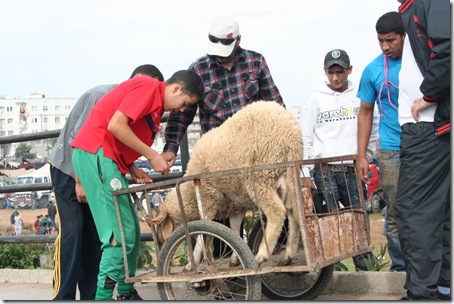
x=141 y=99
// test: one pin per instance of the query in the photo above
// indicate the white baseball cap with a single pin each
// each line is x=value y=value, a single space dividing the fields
x=223 y=34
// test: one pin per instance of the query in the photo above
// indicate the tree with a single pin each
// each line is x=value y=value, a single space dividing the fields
x=23 y=150
x=51 y=144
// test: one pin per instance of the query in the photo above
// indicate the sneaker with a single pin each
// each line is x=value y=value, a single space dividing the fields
x=130 y=296
x=443 y=296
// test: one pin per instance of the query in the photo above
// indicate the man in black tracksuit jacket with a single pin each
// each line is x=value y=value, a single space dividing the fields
x=427 y=24
x=423 y=194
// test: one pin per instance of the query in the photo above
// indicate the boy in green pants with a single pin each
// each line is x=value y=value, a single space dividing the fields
x=121 y=128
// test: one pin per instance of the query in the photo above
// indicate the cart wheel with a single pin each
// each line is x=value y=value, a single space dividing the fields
x=375 y=202
x=289 y=285
x=174 y=256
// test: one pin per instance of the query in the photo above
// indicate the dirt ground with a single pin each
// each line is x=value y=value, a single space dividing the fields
x=29 y=217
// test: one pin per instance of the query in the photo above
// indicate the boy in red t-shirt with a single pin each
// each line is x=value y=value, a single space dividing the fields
x=121 y=128
x=36 y=224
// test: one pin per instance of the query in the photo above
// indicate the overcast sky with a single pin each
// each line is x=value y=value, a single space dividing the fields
x=63 y=48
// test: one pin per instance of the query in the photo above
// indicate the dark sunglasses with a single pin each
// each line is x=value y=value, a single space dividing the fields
x=226 y=41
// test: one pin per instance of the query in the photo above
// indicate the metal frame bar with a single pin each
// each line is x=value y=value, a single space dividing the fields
x=224 y=273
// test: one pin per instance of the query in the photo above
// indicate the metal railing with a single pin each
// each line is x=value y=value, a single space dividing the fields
x=184 y=153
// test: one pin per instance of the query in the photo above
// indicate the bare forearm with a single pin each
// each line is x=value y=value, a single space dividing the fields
x=365 y=119
x=119 y=127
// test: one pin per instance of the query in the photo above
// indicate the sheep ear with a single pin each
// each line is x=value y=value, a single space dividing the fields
x=159 y=235
x=167 y=228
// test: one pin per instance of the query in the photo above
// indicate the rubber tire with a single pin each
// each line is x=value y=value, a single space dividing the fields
x=43 y=202
x=375 y=203
x=310 y=293
x=217 y=230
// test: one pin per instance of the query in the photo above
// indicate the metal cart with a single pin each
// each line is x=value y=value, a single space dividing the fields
x=194 y=263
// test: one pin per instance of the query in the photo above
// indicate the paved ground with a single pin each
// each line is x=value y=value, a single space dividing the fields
x=40 y=292
x=345 y=286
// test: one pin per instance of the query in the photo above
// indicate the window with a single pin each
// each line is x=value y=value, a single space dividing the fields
x=24 y=180
x=57 y=119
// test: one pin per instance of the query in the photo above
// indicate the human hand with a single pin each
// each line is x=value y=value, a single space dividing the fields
x=139 y=176
x=160 y=164
x=419 y=104
x=169 y=157
x=80 y=193
x=363 y=169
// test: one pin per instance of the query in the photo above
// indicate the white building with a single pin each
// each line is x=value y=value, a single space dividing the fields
x=36 y=113
x=30 y=114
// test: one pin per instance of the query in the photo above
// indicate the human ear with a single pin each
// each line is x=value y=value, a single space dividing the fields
x=177 y=88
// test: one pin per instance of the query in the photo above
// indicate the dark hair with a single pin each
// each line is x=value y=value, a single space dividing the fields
x=390 y=22
x=149 y=70
x=191 y=82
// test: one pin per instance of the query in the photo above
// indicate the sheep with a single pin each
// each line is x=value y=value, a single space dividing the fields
x=261 y=133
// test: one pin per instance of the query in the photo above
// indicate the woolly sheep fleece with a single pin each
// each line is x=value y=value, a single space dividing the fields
x=259 y=134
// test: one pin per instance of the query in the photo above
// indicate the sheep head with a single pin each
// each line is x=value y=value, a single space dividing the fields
x=163 y=224
x=168 y=216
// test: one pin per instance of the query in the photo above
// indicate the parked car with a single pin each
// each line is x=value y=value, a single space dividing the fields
x=374 y=191
x=24 y=199
x=144 y=165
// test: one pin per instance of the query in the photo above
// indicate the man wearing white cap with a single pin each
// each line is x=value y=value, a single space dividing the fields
x=233 y=78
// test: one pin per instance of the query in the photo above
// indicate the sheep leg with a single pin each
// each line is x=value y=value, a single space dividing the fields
x=197 y=253
x=293 y=221
x=275 y=212
x=235 y=225
x=292 y=240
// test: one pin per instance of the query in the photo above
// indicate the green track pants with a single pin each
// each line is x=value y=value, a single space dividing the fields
x=99 y=176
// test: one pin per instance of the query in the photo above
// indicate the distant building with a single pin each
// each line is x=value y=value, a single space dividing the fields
x=30 y=114
x=36 y=113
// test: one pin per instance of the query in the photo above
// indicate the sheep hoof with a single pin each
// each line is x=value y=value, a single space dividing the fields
x=234 y=263
x=260 y=258
x=187 y=269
